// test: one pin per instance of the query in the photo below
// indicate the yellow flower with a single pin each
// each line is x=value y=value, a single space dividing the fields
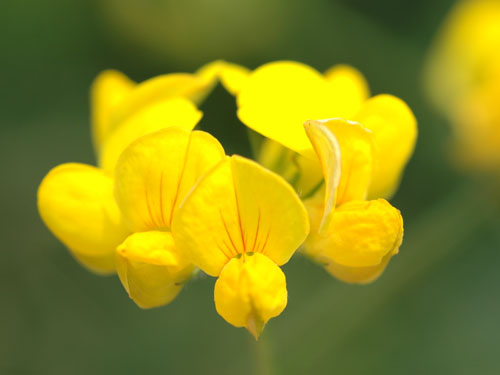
x=152 y=178
x=352 y=238
x=359 y=154
x=240 y=223
x=122 y=112
x=277 y=98
x=477 y=127
x=127 y=219
x=463 y=80
x=167 y=199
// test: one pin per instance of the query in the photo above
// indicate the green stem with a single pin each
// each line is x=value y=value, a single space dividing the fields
x=262 y=354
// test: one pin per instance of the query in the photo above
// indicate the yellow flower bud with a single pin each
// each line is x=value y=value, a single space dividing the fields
x=251 y=289
x=151 y=269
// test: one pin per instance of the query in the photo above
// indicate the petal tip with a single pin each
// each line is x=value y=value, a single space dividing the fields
x=255 y=326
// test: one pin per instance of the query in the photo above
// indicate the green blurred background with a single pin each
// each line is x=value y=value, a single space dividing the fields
x=435 y=310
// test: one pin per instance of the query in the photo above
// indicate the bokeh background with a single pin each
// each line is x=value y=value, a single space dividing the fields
x=435 y=310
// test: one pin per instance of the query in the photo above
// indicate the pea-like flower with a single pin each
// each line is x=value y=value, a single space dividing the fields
x=152 y=178
x=335 y=164
x=463 y=80
x=166 y=200
x=240 y=223
x=351 y=237
x=277 y=98
x=127 y=219
x=122 y=111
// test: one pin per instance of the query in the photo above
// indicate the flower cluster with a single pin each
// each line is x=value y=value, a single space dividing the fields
x=463 y=80
x=165 y=200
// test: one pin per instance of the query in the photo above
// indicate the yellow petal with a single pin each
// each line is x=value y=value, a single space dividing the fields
x=155 y=173
x=328 y=150
x=276 y=157
x=315 y=210
x=162 y=114
x=233 y=77
x=250 y=290
x=477 y=132
x=163 y=87
x=356 y=150
x=240 y=207
x=310 y=176
x=464 y=53
x=350 y=83
x=210 y=71
x=357 y=275
x=361 y=234
x=108 y=89
x=151 y=269
x=76 y=203
x=394 y=130
x=279 y=97
x=344 y=149
x=304 y=174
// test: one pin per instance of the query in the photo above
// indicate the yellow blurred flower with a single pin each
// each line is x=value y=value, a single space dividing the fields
x=240 y=223
x=463 y=80
x=359 y=153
